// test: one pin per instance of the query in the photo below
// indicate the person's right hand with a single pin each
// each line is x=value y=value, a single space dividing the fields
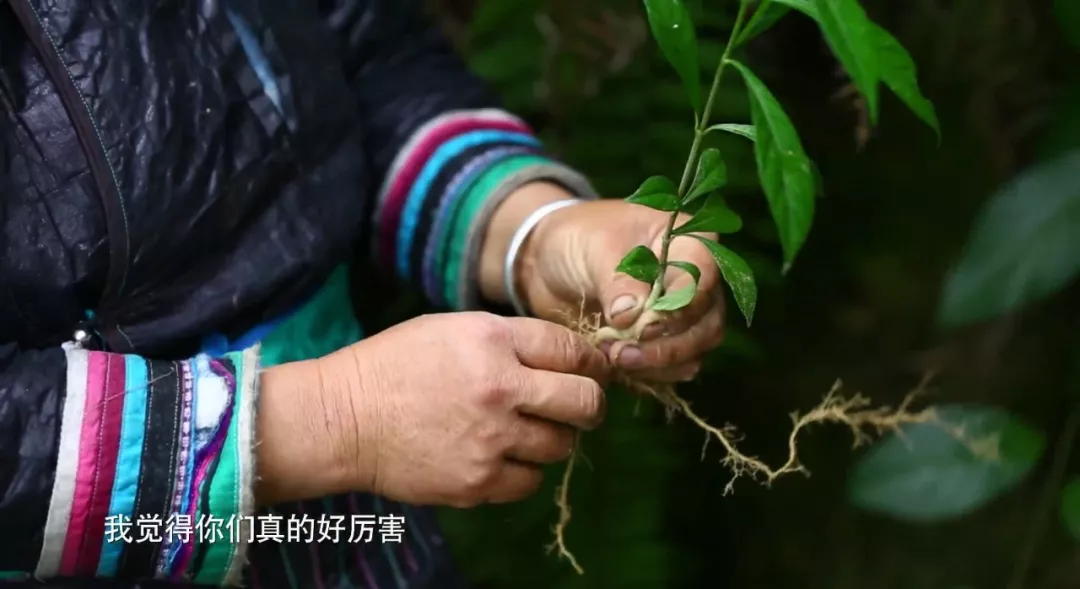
x=460 y=409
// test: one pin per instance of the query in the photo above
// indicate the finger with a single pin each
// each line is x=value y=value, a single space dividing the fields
x=563 y=398
x=541 y=442
x=543 y=345
x=515 y=481
x=622 y=298
x=665 y=352
x=685 y=372
x=688 y=250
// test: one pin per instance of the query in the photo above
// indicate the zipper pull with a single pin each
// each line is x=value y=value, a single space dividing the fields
x=86 y=335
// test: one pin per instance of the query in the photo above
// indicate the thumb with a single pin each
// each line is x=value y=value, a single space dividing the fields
x=622 y=298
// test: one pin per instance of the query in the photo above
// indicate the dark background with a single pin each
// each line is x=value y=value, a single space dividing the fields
x=859 y=304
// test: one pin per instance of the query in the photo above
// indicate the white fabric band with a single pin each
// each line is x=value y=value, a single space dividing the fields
x=522 y=233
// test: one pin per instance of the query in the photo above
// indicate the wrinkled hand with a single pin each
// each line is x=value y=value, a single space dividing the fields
x=573 y=254
x=460 y=409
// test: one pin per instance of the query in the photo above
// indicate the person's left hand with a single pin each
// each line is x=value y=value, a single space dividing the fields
x=571 y=257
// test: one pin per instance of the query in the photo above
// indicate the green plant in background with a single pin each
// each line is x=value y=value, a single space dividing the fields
x=872 y=57
x=1024 y=247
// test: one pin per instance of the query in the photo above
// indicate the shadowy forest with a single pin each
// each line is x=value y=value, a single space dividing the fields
x=954 y=260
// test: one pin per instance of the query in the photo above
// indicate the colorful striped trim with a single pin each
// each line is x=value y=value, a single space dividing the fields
x=442 y=189
x=134 y=435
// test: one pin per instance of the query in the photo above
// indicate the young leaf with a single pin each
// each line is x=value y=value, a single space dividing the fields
x=640 y=264
x=786 y=174
x=713 y=217
x=898 y=73
x=847 y=32
x=687 y=267
x=677 y=299
x=656 y=185
x=1070 y=507
x=656 y=192
x=927 y=473
x=768 y=14
x=747 y=131
x=711 y=174
x=674 y=33
x=737 y=274
x=1024 y=246
x=660 y=202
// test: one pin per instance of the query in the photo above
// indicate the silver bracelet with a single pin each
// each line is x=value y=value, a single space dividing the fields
x=522 y=233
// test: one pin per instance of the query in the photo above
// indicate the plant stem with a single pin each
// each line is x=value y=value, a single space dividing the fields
x=759 y=12
x=701 y=125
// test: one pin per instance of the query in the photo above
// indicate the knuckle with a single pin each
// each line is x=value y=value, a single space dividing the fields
x=491 y=329
x=592 y=402
x=491 y=442
x=493 y=390
x=475 y=484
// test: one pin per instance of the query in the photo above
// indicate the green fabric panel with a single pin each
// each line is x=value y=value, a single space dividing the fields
x=471 y=203
x=224 y=496
x=323 y=325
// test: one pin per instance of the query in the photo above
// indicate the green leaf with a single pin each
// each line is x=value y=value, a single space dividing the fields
x=747 y=131
x=661 y=202
x=1024 y=247
x=1070 y=507
x=656 y=192
x=711 y=174
x=737 y=274
x=898 y=73
x=930 y=473
x=785 y=171
x=687 y=267
x=770 y=13
x=675 y=300
x=674 y=33
x=713 y=217
x=640 y=264
x=805 y=6
x=847 y=31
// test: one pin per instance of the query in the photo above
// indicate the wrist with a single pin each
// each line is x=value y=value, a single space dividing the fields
x=307 y=447
x=504 y=224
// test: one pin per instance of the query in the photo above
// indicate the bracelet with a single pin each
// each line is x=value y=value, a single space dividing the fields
x=518 y=240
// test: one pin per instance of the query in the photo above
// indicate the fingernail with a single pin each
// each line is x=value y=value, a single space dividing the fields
x=623 y=304
x=631 y=357
x=654 y=329
x=605 y=347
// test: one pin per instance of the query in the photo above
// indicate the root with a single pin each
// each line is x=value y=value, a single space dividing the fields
x=562 y=499
x=855 y=412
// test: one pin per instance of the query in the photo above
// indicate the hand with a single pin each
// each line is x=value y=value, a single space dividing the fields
x=572 y=255
x=461 y=409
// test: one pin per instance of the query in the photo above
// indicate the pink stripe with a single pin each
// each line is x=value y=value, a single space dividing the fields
x=88 y=444
x=108 y=448
x=395 y=198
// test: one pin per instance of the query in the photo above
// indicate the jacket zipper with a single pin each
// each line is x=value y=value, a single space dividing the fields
x=79 y=114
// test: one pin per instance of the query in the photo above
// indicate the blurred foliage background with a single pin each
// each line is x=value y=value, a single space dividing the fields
x=860 y=304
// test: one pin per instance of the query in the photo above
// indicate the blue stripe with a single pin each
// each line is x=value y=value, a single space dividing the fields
x=128 y=460
x=218 y=345
x=445 y=152
x=256 y=57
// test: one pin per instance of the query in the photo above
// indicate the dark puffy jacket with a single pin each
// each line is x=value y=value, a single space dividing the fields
x=179 y=181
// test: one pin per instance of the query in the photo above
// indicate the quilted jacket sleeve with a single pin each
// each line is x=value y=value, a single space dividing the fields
x=445 y=152
x=119 y=466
